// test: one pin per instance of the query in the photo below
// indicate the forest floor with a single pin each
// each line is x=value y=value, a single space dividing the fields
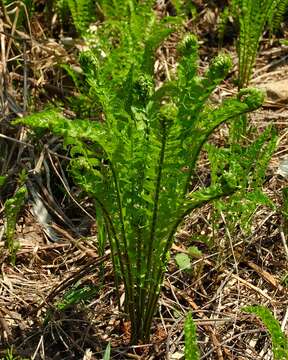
x=60 y=254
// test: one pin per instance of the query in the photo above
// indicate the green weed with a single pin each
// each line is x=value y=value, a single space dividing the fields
x=10 y=355
x=2 y=180
x=107 y=352
x=78 y=294
x=12 y=208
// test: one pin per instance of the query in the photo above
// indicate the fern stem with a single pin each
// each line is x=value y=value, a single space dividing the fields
x=123 y=264
x=114 y=258
x=159 y=273
x=150 y=262
x=130 y=281
x=157 y=194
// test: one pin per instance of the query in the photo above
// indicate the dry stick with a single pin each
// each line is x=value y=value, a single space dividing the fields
x=284 y=241
x=4 y=11
x=38 y=347
x=63 y=93
x=3 y=68
x=25 y=77
x=6 y=330
x=14 y=25
x=17 y=6
x=230 y=339
x=170 y=333
x=233 y=254
x=285 y=319
x=244 y=282
x=66 y=188
x=269 y=66
x=15 y=140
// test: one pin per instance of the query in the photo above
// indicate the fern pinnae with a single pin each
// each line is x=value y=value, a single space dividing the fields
x=276 y=14
x=252 y=16
x=204 y=196
x=191 y=348
x=124 y=262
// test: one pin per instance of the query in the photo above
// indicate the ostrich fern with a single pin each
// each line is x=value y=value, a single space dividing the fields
x=251 y=16
x=83 y=12
x=276 y=14
x=137 y=161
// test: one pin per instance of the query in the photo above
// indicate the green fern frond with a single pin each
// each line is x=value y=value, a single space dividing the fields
x=254 y=158
x=276 y=14
x=222 y=24
x=279 y=340
x=12 y=208
x=83 y=12
x=252 y=16
x=191 y=348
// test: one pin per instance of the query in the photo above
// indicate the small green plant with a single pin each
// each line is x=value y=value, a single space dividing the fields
x=135 y=147
x=183 y=260
x=241 y=206
x=279 y=340
x=78 y=294
x=10 y=355
x=12 y=208
x=191 y=348
x=2 y=180
x=107 y=352
x=250 y=17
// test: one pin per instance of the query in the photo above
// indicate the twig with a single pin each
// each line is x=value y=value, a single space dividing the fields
x=228 y=340
x=284 y=241
x=15 y=140
x=25 y=77
x=3 y=69
x=68 y=191
x=285 y=319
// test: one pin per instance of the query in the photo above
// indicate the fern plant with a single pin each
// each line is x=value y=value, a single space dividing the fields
x=276 y=15
x=83 y=12
x=138 y=158
x=251 y=16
